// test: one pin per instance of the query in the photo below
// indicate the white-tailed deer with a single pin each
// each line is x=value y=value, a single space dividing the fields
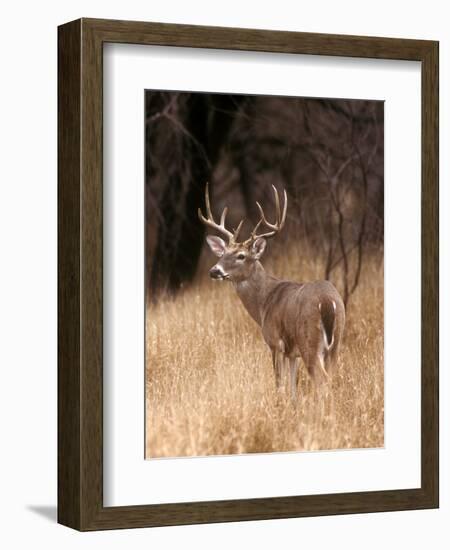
x=298 y=320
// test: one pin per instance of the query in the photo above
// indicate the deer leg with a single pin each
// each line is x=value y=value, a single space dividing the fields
x=316 y=368
x=280 y=364
x=285 y=373
x=294 y=364
x=331 y=359
x=277 y=366
x=283 y=363
x=319 y=376
x=320 y=367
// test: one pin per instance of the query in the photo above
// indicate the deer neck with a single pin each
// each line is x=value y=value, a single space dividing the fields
x=253 y=291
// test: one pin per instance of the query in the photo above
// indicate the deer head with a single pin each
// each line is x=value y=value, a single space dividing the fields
x=237 y=259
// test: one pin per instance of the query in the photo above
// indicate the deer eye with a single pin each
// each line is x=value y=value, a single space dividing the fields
x=241 y=256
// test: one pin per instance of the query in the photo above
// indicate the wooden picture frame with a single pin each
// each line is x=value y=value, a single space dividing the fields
x=80 y=271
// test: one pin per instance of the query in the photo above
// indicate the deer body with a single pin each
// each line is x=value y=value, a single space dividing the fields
x=298 y=320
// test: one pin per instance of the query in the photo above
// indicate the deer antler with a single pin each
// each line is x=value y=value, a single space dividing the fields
x=280 y=220
x=232 y=236
x=209 y=221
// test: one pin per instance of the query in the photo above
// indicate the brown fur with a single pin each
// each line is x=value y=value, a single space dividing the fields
x=291 y=320
x=298 y=320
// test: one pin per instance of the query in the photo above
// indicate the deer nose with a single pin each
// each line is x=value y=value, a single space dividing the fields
x=216 y=272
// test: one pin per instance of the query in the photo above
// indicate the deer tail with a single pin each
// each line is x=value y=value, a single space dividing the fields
x=327 y=309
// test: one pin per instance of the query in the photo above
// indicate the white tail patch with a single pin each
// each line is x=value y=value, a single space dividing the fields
x=327 y=345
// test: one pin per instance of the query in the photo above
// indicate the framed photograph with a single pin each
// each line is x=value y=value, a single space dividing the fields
x=248 y=274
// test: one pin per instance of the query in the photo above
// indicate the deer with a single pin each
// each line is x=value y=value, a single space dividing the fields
x=298 y=320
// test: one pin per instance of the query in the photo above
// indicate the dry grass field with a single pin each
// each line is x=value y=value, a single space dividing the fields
x=210 y=387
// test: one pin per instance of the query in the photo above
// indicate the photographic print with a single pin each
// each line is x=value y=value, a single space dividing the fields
x=264 y=259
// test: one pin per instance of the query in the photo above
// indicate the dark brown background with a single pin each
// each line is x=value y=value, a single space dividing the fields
x=327 y=153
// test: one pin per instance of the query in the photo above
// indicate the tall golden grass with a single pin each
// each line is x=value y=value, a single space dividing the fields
x=210 y=387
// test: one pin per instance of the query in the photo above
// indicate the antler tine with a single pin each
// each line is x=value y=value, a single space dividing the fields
x=237 y=230
x=209 y=221
x=253 y=235
x=283 y=217
x=280 y=217
x=223 y=216
x=207 y=203
x=277 y=203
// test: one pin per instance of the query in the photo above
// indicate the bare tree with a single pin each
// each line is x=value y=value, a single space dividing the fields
x=184 y=136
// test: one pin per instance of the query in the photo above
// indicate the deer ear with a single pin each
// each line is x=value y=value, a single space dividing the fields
x=258 y=247
x=216 y=244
